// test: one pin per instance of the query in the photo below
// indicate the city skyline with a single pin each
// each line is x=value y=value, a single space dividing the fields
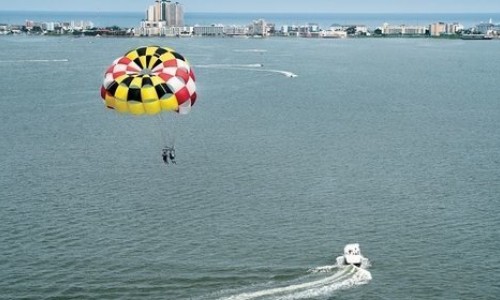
x=263 y=6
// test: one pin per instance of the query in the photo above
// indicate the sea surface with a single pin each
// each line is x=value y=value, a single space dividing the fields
x=324 y=20
x=391 y=143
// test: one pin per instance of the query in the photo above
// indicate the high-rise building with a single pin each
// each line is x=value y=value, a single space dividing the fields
x=172 y=13
x=166 y=11
x=153 y=13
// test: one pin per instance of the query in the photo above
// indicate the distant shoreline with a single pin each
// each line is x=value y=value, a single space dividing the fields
x=127 y=23
x=132 y=19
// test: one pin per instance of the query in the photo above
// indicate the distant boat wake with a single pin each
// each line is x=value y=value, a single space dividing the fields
x=321 y=283
x=251 y=50
x=229 y=66
x=33 y=60
x=247 y=67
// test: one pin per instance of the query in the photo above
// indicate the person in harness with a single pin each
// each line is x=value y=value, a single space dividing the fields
x=168 y=153
x=164 y=155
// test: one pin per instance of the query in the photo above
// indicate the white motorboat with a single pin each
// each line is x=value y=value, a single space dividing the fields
x=352 y=256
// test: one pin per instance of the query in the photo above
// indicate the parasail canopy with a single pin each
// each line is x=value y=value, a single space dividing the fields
x=149 y=80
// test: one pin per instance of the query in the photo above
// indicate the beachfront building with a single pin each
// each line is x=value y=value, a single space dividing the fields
x=454 y=28
x=353 y=30
x=49 y=26
x=212 y=30
x=440 y=28
x=308 y=30
x=150 y=28
x=259 y=28
x=236 y=31
x=162 y=18
x=485 y=27
x=360 y=29
x=333 y=34
x=172 y=13
x=161 y=29
x=403 y=29
x=4 y=29
x=171 y=31
x=32 y=27
x=289 y=30
x=80 y=25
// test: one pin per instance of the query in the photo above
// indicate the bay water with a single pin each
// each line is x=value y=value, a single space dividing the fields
x=392 y=143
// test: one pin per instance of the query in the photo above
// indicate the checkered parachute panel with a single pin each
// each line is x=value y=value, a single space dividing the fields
x=149 y=80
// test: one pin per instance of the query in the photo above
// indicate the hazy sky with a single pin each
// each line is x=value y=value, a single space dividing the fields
x=319 y=6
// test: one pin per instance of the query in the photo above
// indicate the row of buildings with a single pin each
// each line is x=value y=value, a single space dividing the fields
x=258 y=28
x=262 y=28
x=166 y=18
x=46 y=27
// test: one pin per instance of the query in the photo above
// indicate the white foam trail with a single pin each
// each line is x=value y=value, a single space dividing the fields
x=286 y=73
x=344 y=278
x=323 y=269
x=248 y=67
x=215 y=66
x=34 y=60
x=251 y=50
x=358 y=278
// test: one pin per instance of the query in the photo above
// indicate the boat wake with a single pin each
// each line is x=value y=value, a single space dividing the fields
x=247 y=67
x=319 y=283
x=285 y=73
x=229 y=66
x=251 y=50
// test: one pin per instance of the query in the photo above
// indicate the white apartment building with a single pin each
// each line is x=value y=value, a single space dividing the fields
x=454 y=28
x=49 y=26
x=236 y=30
x=150 y=28
x=259 y=28
x=212 y=30
x=333 y=34
x=4 y=28
x=403 y=29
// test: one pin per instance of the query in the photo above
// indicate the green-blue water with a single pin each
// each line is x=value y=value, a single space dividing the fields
x=392 y=143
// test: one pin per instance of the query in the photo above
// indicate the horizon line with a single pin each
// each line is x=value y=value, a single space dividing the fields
x=256 y=12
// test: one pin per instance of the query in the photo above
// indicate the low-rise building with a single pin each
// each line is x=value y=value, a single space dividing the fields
x=150 y=28
x=289 y=30
x=333 y=34
x=403 y=29
x=4 y=29
x=234 y=30
x=485 y=27
x=212 y=30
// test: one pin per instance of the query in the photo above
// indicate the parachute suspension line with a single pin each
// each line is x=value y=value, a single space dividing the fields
x=167 y=130
x=171 y=126
x=163 y=131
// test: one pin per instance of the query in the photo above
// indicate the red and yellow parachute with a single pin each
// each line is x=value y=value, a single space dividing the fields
x=149 y=80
